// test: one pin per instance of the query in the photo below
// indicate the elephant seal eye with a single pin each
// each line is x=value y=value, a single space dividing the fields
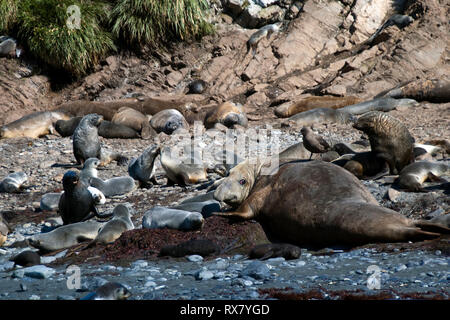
x=242 y=182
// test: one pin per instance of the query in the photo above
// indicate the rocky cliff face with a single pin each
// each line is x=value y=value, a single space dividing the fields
x=320 y=50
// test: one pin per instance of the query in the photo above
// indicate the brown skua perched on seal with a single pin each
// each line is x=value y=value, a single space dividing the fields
x=433 y=90
x=415 y=174
x=390 y=139
x=228 y=114
x=34 y=125
x=313 y=142
x=289 y=109
x=134 y=119
x=316 y=203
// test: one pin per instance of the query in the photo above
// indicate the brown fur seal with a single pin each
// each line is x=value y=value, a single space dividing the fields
x=316 y=203
x=256 y=37
x=168 y=121
x=390 y=139
x=433 y=90
x=106 y=129
x=26 y=258
x=274 y=250
x=134 y=119
x=202 y=247
x=289 y=109
x=364 y=165
x=33 y=125
x=182 y=171
x=13 y=182
x=143 y=167
x=228 y=114
x=415 y=174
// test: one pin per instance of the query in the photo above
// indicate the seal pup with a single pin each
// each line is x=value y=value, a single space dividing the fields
x=89 y=170
x=399 y=20
x=109 y=291
x=76 y=203
x=66 y=236
x=273 y=250
x=316 y=203
x=228 y=113
x=26 y=258
x=161 y=217
x=168 y=121
x=390 y=139
x=321 y=115
x=425 y=151
x=33 y=125
x=415 y=174
x=313 y=142
x=256 y=37
x=197 y=86
x=13 y=182
x=143 y=168
x=115 y=186
x=134 y=119
x=50 y=201
x=202 y=247
x=183 y=171
x=289 y=109
x=114 y=228
x=206 y=208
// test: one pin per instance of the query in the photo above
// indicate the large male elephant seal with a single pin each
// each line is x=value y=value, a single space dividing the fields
x=316 y=203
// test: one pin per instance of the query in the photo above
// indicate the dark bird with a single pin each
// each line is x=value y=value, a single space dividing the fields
x=77 y=202
x=313 y=142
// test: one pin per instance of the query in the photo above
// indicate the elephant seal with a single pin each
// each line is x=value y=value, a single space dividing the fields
x=228 y=113
x=115 y=186
x=4 y=230
x=76 y=203
x=202 y=247
x=313 y=142
x=13 y=182
x=109 y=291
x=274 y=250
x=66 y=236
x=114 y=228
x=26 y=258
x=390 y=139
x=143 y=167
x=256 y=37
x=168 y=121
x=161 y=217
x=415 y=174
x=399 y=20
x=106 y=129
x=34 y=125
x=289 y=109
x=321 y=115
x=182 y=171
x=197 y=86
x=316 y=203
x=433 y=90
x=134 y=119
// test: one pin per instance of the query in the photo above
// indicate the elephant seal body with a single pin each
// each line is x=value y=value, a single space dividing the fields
x=13 y=182
x=134 y=119
x=106 y=129
x=114 y=228
x=66 y=236
x=390 y=139
x=228 y=113
x=415 y=174
x=274 y=250
x=33 y=125
x=143 y=167
x=433 y=90
x=183 y=171
x=161 y=217
x=289 y=109
x=315 y=203
x=168 y=121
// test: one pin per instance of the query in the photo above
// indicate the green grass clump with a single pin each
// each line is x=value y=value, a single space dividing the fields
x=42 y=27
x=8 y=15
x=142 y=22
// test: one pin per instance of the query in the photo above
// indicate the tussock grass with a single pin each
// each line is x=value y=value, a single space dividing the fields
x=8 y=15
